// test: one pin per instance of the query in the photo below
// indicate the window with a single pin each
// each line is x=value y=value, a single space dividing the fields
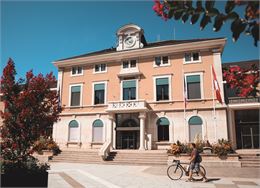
x=129 y=64
x=99 y=93
x=192 y=57
x=97 y=131
x=74 y=131
x=162 y=89
x=193 y=87
x=75 y=95
x=163 y=129
x=76 y=71
x=100 y=68
x=195 y=128
x=129 y=89
x=161 y=61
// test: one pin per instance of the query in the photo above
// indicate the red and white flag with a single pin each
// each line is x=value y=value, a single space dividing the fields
x=216 y=86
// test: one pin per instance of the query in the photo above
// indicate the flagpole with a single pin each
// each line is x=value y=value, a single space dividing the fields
x=214 y=103
x=184 y=102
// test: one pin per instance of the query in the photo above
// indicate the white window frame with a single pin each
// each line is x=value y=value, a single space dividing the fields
x=161 y=64
x=81 y=94
x=136 y=90
x=201 y=84
x=203 y=129
x=170 y=87
x=77 y=74
x=103 y=131
x=68 y=136
x=189 y=62
x=129 y=63
x=93 y=92
x=99 y=72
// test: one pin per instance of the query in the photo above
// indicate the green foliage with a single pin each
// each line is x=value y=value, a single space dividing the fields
x=29 y=165
x=249 y=24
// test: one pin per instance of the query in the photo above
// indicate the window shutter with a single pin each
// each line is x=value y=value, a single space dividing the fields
x=98 y=123
x=99 y=87
x=129 y=84
x=75 y=89
x=163 y=121
x=195 y=120
x=162 y=81
x=193 y=79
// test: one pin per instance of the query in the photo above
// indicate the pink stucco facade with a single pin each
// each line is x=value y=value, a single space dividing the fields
x=145 y=105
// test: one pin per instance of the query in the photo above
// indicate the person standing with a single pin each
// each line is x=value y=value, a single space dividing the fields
x=195 y=161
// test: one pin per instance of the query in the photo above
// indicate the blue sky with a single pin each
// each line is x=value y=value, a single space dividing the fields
x=36 y=33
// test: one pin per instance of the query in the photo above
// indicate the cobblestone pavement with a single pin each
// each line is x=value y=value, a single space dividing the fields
x=68 y=175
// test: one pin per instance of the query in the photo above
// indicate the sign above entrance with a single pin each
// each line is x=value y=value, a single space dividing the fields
x=136 y=105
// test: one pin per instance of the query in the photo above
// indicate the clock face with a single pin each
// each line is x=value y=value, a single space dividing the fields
x=129 y=41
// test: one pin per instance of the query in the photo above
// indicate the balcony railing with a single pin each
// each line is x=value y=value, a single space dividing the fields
x=137 y=105
x=242 y=100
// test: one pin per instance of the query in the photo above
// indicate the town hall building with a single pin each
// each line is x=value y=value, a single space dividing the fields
x=141 y=95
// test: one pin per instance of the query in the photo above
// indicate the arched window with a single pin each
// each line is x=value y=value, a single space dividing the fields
x=97 y=131
x=74 y=131
x=195 y=128
x=163 y=129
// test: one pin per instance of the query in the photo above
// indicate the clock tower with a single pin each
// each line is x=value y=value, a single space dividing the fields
x=130 y=37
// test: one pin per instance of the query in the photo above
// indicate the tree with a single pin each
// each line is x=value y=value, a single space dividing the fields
x=244 y=81
x=29 y=108
x=183 y=10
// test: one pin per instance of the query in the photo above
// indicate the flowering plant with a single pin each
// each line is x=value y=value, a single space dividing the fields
x=30 y=107
x=245 y=81
x=46 y=144
x=222 y=148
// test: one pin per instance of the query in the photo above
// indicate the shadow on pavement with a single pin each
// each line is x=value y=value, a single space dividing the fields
x=209 y=180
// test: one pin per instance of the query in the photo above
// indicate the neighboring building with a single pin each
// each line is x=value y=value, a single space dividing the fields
x=243 y=114
x=132 y=96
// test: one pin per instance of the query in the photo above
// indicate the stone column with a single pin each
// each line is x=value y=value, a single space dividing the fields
x=142 y=117
x=110 y=129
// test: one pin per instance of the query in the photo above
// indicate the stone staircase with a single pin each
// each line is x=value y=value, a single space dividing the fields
x=135 y=157
x=250 y=160
x=78 y=156
x=124 y=157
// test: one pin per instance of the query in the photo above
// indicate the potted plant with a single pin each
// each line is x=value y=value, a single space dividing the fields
x=222 y=148
x=29 y=108
x=207 y=149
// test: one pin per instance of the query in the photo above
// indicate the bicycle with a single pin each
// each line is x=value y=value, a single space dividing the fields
x=175 y=171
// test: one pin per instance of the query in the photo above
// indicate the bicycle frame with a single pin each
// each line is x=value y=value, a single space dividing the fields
x=179 y=164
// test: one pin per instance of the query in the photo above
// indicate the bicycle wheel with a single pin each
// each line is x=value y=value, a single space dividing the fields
x=196 y=175
x=174 y=172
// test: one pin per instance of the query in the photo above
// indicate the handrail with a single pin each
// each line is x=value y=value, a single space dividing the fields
x=105 y=150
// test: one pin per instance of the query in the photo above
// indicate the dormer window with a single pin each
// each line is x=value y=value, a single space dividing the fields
x=75 y=71
x=129 y=64
x=193 y=57
x=161 y=61
x=99 y=68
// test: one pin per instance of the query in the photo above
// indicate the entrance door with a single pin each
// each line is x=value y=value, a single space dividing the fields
x=127 y=140
x=247 y=129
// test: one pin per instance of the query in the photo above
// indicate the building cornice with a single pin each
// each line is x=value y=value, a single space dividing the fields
x=144 y=52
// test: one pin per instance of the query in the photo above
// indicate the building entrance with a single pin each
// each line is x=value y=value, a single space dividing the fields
x=247 y=129
x=127 y=131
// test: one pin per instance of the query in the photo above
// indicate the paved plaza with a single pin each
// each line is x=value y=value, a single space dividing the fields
x=68 y=175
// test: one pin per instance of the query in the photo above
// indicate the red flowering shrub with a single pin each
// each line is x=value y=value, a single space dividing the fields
x=29 y=108
x=244 y=80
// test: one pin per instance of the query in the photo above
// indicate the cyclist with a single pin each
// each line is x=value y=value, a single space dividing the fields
x=195 y=161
